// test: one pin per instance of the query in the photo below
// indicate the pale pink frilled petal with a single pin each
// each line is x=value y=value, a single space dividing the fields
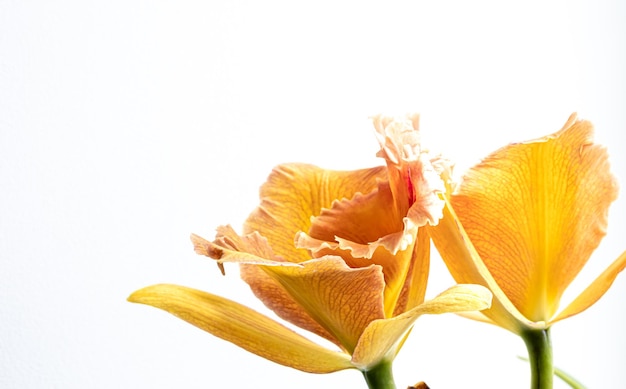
x=414 y=175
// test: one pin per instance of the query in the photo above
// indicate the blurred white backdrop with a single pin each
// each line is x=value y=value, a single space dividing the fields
x=127 y=125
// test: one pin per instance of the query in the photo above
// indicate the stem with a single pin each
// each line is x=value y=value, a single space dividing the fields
x=540 y=358
x=380 y=376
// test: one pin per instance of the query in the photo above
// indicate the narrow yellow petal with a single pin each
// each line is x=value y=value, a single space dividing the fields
x=242 y=326
x=414 y=288
x=459 y=298
x=294 y=193
x=343 y=300
x=477 y=316
x=594 y=291
x=535 y=211
x=382 y=337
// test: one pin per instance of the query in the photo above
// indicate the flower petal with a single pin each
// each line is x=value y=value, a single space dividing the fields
x=230 y=247
x=413 y=175
x=466 y=266
x=365 y=231
x=276 y=298
x=364 y=222
x=399 y=138
x=250 y=251
x=294 y=193
x=416 y=280
x=382 y=337
x=535 y=211
x=343 y=300
x=594 y=291
x=242 y=326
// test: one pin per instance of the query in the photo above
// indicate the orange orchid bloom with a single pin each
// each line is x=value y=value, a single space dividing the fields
x=524 y=222
x=341 y=254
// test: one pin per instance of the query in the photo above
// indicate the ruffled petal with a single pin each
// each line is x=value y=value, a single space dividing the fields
x=363 y=221
x=413 y=175
x=294 y=193
x=342 y=300
x=594 y=291
x=242 y=326
x=363 y=232
x=428 y=186
x=399 y=138
x=381 y=338
x=230 y=247
x=535 y=211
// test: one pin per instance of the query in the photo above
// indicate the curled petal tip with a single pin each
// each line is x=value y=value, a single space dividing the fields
x=398 y=137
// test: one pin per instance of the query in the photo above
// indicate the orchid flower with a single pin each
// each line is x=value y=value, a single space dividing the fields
x=341 y=254
x=523 y=222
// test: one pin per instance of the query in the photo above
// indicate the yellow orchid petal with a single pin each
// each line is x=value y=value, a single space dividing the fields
x=535 y=211
x=276 y=298
x=414 y=288
x=343 y=300
x=477 y=316
x=594 y=291
x=466 y=266
x=417 y=277
x=249 y=252
x=242 y=326
x=294 y=193
x=382 y=337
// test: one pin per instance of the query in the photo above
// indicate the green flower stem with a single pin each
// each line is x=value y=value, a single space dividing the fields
x=540 y=358
x=380 y=376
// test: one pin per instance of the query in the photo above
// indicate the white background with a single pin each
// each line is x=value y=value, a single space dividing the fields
x=127 y=125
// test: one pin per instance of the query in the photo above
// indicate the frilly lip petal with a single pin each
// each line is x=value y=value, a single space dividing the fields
x=398 y=137
x=428 y=206
x=414 y=174
x=394 y=242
